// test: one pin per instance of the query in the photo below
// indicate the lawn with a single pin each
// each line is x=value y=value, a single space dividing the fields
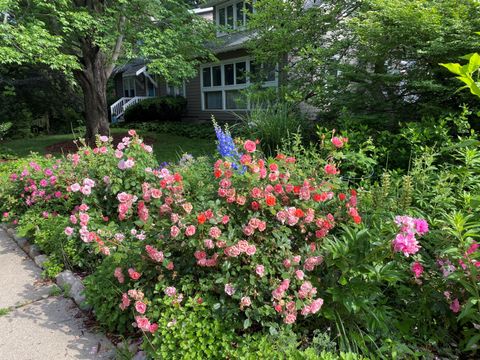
x=167 y=147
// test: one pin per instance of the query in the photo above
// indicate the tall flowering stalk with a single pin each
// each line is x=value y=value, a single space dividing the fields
x=225 y=145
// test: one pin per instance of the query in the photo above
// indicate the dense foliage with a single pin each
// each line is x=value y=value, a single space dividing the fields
x=376 y=59
x=263 y=255
x=86 y=40
x=159 y=109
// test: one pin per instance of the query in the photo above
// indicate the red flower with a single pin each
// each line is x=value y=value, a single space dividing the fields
x=271 y=200
x=217 y=173
x=299 y=213
x=342 y=196
x=255 y=205
x=201 y=218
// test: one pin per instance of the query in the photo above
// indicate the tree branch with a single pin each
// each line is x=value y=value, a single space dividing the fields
x=118 y=47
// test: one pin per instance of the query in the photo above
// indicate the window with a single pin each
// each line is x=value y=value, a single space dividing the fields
x=222 y=84
x=234 y=14
x=174 y=90
x=265 y=73
x=129 y=86
x=213 y=100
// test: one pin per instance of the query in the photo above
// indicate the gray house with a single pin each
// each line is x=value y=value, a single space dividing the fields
x=217 y=88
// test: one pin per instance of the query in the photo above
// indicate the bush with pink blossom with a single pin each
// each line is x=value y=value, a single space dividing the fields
x=257 y=246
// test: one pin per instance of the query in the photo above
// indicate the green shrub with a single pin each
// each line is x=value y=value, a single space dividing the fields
x=47 y=232
x=165 y=108
x=104 y=293
x=272 y=123
x=191 y=331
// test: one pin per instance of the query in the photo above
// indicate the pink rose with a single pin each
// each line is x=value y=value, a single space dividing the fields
x=260 y=270
x=316 y=305
x=134 y=275
x=174 y=231
x=299 y=274
x=250 y=146
x=251 y=250
x=143 y=323
x=215 y=232
x=170 y=291
x=190 y=230
x=337 y=142
x=245 y=301
x=330 y=169
x=75 y=187
x=140 y=307
x=68 y=231
x=290 y=318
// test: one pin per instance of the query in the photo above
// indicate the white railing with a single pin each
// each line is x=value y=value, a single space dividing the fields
x=118 y=108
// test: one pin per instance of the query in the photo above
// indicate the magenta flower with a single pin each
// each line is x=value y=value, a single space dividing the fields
x=417 y=269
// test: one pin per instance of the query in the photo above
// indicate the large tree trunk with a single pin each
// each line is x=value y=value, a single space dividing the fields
x=93 y=81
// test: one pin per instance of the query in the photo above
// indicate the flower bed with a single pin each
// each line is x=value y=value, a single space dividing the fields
x=206 y=260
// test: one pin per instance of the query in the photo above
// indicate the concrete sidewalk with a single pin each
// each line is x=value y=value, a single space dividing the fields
x=34 y=324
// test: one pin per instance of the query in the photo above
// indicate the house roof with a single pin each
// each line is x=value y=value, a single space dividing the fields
x=211 y=3
x=231 y=42
x=132 y=68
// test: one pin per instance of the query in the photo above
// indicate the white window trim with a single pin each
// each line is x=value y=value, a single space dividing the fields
x=224 y=88
x=224 y=6
x=176 y=89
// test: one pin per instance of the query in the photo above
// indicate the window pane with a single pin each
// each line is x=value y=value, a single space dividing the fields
x=235 y=100
x=213 y=100
x=240 y=72
x=229 y=78
x=221 y=16
x=269 y=72
x=217 y=75
x=240 y=14
x=230 y=16
x=207 y=81
x=180 y=90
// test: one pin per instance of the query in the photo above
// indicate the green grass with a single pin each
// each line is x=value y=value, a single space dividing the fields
x=4 y=311
x=167 y=147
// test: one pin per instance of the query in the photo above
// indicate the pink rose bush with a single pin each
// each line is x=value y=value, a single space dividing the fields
x=269 y=243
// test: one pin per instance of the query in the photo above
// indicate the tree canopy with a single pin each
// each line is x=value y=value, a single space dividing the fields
x=88 y=38
x=375 y=58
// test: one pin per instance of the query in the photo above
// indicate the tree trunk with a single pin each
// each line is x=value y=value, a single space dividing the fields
x=93 y=81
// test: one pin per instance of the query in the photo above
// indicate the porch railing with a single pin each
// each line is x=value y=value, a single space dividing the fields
x=117 y=109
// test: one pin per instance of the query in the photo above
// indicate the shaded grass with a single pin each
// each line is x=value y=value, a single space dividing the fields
x=167 y=147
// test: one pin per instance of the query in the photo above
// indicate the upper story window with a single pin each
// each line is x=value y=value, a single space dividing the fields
x=234 y=14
